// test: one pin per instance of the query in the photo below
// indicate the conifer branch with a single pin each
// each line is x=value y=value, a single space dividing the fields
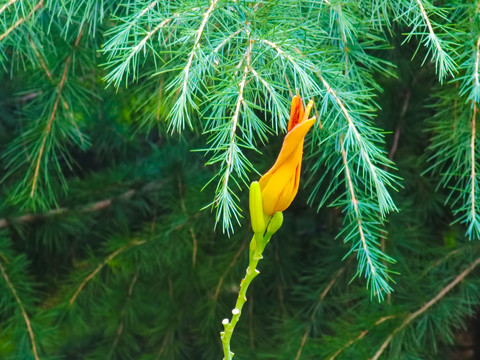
x=42 y=63
x=438 y=262
x=21 y=21
x=426 y=306
x=50 y=77
x=122 y=316
x=22 y=310
x=232 y=147
x=196 y=44
x=385 y=201
x=4 y=7
x=444 y=64
x=97 y=206
x=190 y=228
x=227 y=39
x=53 y=114
x=100 y=267
x=429 y=25
x=360 y=336
x=179 y=111
x=354 y=201
x=230 y=266
x=322 y=296
x=122 y=70
x=146 y=9
x=473 y=177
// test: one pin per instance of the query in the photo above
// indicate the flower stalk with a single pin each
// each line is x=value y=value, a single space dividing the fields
x=267 y=199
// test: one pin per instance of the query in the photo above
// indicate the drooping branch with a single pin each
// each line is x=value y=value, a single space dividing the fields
x=21 y=20
x=52 y=117
x=360 y=336
x=100 y=267
x=236 y=115
x=425 y=307
x=230 y=266
x=473 y=176
x=354 y=201
x=22 y=310
x=96 y=206
x=4 y=7
x=322 y=296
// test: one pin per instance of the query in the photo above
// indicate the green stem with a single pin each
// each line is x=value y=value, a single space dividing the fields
x=257 y=245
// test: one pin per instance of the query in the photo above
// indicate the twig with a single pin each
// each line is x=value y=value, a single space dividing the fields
x=50 y=77
x=195 y=246
x=429 y=26
x=425 y=307
x=48 y=128
x=356 y=209
x=396 y=136
x=99 y=205
x=190 y=228
x=196 y=44
x=165 y=341
x=21 y=20
x=100 y=266
x=11 y=2
x=230 y=266
x=236 y=114
x=320 y=300
x=122 y=316
x=472 y=141
x=438 y=262
x=22 y=310
x=360 y=336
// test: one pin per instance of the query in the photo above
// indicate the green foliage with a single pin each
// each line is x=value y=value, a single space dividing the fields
x=130 y=131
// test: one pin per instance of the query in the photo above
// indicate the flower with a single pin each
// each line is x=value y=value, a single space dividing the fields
x=279 y=185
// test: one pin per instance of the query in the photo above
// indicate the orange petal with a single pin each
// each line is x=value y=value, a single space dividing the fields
x=293 y=140
x=296 y=112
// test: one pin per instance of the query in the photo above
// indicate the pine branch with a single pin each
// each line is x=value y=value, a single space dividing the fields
x=122 y=316
x=473 y=177
x=454 y=150
x=97 y=206
x=50 y=77
x=360 y=336
x=122 y=64
x=53 y=114
x=21 y=20
x=22 y=310
x=4 y=7
x=226 y=211
x=179 y=115
x=322 y=296
x=100 y=267
x=378 y=175
x=417 y=16
x=426 y=306
x=375 y=271
x=227 y=270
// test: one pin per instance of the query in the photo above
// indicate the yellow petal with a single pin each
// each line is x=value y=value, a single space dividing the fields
x=278 y=189
x=292 y=142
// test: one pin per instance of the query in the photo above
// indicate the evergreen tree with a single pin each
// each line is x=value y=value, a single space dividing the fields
x=131 y=130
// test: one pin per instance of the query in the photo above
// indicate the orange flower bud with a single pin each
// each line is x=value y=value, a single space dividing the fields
x=280 y=184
